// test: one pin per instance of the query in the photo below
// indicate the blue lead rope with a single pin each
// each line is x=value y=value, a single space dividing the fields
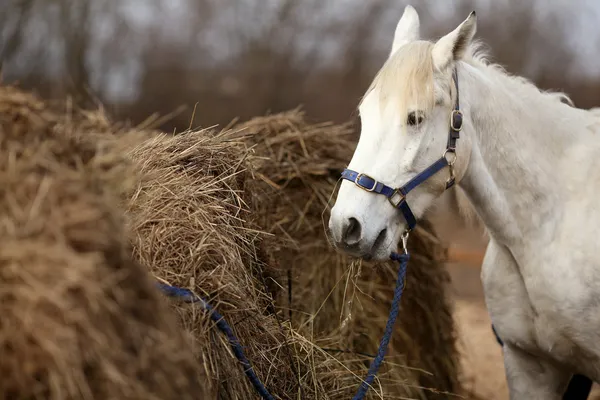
x=189 y=297
x=385 y=341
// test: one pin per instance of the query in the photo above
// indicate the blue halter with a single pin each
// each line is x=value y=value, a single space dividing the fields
x=397 y=197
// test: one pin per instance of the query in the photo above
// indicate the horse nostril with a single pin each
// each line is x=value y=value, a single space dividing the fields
x=380 y=239
x=352 y=232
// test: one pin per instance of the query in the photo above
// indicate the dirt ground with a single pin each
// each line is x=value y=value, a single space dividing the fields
x=482 y=355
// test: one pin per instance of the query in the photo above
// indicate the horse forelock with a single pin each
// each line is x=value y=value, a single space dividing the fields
x=405 y=82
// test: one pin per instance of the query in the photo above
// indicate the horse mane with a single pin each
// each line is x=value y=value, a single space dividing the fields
x=478 y=54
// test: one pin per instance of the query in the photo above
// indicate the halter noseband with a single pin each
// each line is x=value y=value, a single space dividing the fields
x=397 y=197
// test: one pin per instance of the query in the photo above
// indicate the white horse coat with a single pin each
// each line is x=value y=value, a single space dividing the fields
x=530 y=166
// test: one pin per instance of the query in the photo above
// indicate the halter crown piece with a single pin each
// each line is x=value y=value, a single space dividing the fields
x=397 y=197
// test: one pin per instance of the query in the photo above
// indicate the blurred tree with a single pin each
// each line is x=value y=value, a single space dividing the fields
x=241 y=59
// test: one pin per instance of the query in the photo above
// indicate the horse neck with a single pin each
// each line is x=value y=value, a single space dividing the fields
x=518 y=136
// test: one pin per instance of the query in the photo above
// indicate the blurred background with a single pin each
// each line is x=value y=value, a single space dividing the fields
x=243 y=58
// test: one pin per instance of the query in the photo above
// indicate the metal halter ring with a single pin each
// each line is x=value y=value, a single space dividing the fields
x=451 y=160
x=391 y=198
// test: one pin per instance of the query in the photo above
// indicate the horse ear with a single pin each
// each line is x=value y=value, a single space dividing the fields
x=453 y=46
x=407 y=29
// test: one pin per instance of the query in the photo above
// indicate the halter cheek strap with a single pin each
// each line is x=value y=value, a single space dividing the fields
x=397 y=197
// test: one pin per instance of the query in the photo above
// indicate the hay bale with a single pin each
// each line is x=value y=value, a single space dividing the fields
x=187 y=218
x=80 y=319
x=192 y=227
x=343 y=305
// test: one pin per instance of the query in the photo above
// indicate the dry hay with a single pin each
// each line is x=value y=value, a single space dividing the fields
x=79 y=318
x=191 y=226
x=187 y=218
x=342 y=305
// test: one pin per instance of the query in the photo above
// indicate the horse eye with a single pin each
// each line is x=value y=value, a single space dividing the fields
x=414 y=118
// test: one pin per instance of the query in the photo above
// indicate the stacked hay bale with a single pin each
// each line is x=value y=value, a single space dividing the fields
x=187 y=219
x=78 y=317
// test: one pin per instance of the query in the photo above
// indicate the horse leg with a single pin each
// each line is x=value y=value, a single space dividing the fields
x=532 y=378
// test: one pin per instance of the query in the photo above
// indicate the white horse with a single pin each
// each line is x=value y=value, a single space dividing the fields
x=530 y=166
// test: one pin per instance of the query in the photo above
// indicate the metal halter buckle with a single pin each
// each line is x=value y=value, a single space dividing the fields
x=364 y=187
x=396 y=192
x=456 y=116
